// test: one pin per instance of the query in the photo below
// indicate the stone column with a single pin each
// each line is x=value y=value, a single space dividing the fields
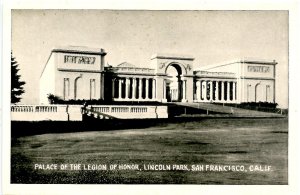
x=210 y=90
x=127 y=85
x=120 y=88
x=174 y=94
x=233 y=91
x=183 y=90
x=217 y=91
x=113 y=88
x=153 y=89
x=164 y=90
x=228 y=91
x=147 y=89
x=222 y=91
x=140 y=88
x=189 y=90
x=133 y=88
x=205 y=91
x=202 y=90
x=198 y=90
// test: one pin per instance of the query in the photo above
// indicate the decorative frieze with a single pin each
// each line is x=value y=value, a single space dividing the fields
x=260 y=69
x=79 y=59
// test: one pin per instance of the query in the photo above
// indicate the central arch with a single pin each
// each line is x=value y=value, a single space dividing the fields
x=174 y=87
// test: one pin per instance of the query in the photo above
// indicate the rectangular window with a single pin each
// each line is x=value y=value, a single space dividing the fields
x=268 y=93
x=92 y=89
x=66 y=90
x=248 y=93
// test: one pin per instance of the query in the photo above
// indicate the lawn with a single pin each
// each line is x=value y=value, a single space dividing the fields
x=248 y=143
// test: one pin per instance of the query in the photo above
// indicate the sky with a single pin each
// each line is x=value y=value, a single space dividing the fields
x=211 y=37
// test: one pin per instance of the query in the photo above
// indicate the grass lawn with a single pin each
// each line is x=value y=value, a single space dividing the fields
x=244 y=142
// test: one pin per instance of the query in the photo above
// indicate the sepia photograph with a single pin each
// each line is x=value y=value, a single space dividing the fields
x=149 y=97
x=152 y=97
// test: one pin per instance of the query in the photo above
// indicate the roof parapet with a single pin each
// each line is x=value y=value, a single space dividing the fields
x=79 y=50
x=172 y=56
x=245 y=60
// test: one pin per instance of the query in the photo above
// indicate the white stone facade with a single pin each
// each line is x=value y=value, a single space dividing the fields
x=73 y=73
x=79 y=73
x=250 y=80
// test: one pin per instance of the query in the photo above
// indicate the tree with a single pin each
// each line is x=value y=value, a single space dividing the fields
x=16 y=85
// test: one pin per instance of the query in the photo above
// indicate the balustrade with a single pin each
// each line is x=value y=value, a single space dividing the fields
x=101 y=109
x=120 y=109
x=20 y=108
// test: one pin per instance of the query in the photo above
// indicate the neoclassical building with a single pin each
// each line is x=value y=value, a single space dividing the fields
x=80 y=73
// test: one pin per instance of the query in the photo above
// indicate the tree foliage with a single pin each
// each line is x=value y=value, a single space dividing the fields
x=16 y=85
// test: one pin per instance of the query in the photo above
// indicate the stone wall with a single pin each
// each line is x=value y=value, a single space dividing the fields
x=74 y=112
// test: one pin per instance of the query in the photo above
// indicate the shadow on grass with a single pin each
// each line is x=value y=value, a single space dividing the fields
x=27 y=128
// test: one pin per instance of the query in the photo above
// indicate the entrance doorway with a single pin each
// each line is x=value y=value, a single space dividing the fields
x=174 y=92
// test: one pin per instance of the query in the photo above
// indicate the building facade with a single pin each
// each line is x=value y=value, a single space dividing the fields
x=80 y=73
x=73 y=73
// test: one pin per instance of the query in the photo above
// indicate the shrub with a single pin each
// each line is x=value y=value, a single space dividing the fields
x=259 y=104
x=53 y=99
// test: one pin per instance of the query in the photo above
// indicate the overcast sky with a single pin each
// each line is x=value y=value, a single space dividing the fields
x=133 y=36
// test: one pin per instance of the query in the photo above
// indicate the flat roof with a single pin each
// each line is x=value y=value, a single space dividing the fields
x=79 y=49
x=172 y=56
x=245 y=60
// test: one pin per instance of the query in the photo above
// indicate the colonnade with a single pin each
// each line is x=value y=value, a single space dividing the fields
x=177 y=93
x=133 y=88
x=215 y=91
x=144 y=89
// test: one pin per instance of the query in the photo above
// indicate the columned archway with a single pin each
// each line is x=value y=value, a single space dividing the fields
x=173 y=77
x=174 y=86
